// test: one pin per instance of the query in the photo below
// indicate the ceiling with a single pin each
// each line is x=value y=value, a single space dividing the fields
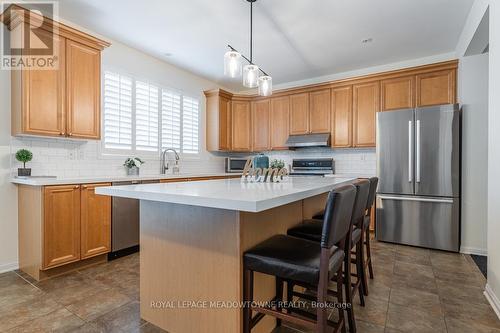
x=293 y=40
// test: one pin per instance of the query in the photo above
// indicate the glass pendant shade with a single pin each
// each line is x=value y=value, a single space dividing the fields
x=232 y=64
x=265 y=85
x=250 y=76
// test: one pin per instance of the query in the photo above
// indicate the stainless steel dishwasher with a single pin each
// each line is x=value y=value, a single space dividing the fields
x=125 y=223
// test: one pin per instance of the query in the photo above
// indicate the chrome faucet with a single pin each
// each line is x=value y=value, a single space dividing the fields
x=165 y=165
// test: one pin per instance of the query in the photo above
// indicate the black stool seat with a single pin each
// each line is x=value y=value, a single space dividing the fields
x=290 y=258
x=309 y=229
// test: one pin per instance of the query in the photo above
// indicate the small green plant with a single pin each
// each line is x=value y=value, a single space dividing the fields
x=24 y=156
x=277 y=164
x=133 y=162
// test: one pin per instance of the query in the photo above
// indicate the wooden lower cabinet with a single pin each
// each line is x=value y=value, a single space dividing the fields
x=76 y=224
x=61 y=225
x=95 y=221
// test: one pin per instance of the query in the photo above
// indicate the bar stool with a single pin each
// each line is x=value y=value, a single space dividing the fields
x=302 y=262
x=367 y=222
x=311 y=230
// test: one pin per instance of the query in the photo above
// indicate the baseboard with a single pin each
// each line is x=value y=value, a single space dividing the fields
x=473 y=250
x=9 y=267
x=493 y=299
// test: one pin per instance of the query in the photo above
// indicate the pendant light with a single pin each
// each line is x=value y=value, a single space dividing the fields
x=251 y=79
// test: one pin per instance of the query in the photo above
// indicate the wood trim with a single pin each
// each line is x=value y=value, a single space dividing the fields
x=50 y=25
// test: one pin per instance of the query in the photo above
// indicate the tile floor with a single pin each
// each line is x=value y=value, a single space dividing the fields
x=414 y=290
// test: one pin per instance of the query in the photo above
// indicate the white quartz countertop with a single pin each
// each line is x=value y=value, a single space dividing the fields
x=43 y=181
x=232 y=194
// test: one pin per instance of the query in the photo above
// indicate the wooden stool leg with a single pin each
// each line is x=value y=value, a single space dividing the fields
x=289 y=296
x=348 y=293
x=364 y=279
x=340 y=299
x=359 y=272
x=368 y=252
x=247 y=298
x=279 y=297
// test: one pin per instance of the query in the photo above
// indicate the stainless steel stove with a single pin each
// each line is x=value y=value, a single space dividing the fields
x=312 y=167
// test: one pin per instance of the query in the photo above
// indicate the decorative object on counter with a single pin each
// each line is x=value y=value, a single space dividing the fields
x=251 y=79
x=24 y=156
x=261 y=161
x=277 y=164
x=132 y=164
x=253 y=174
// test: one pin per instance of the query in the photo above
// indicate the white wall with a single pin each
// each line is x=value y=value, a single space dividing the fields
x=473 y=95
x=493 y=287
x=8 y=192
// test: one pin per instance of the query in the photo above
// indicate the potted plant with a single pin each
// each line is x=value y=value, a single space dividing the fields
x=278 y=164
x=132 y=164
x=24 y=156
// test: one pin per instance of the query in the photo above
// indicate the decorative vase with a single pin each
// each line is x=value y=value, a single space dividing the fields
x=24 y=172
x=261 y=161
x=133 y=171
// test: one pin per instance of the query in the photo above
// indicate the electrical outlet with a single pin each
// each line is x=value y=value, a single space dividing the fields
x=71 y=154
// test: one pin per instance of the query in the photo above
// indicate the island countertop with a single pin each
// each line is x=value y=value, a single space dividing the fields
x=231 y=194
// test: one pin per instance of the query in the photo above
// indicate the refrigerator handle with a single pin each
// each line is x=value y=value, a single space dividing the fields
x=417 y=153
x=416 y=199
x=410 y=149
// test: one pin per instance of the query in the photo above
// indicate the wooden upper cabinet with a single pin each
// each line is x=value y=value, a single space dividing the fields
x=398 y=93
x=366 y=104
x=260 y=125
x=280 y=122
x=341 y=135
x=83 y=88
x=57 y=102
x=225 y=123
x=218 y=120
x=436 y=88
x=61 y=227
x=319 y=111
x=299 y=114
x=241 y=126
x=95 y=221
x=38 y=98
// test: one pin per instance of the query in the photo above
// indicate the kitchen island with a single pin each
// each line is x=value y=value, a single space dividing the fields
x=193 y=235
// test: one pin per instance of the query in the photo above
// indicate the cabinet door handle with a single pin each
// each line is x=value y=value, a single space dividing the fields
x=61 y=133
x=84 y=187
x=77 y=187
x=70 y=134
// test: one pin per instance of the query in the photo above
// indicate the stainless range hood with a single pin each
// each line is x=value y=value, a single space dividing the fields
x=308 y=140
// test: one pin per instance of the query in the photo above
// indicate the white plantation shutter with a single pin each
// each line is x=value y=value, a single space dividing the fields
x=170 y=120
x=117 y=111
x=190 y=125
x=146 y=116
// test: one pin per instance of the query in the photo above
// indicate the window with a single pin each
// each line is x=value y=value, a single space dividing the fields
x=189 y=125
x=117 y=111
x=170 y=120
x=146 y=116
x=143 y=117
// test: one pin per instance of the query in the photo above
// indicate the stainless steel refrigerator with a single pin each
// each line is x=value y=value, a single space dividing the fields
x=418 y=165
